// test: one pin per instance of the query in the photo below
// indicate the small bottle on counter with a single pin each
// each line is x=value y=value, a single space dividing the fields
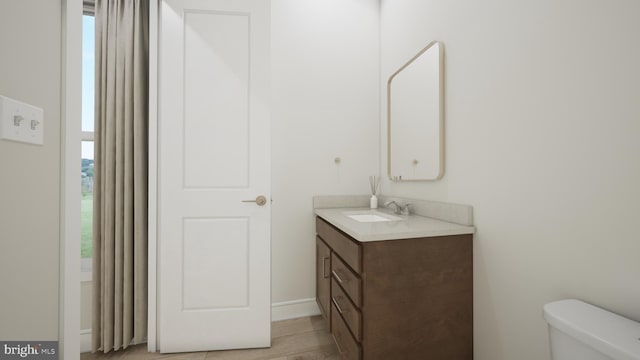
x=373 y=202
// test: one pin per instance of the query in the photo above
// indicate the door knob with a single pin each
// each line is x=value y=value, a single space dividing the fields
x=260 y=200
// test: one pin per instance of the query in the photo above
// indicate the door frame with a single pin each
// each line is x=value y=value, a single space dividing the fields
x=71 y=120
x=70 y=127
x=152 y=217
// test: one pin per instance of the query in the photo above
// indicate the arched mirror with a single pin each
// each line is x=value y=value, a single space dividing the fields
x=415 y=118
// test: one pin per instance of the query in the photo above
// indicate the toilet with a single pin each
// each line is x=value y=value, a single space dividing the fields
x=579 y=331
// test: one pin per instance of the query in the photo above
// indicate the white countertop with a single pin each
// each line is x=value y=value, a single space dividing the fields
x=412 y=226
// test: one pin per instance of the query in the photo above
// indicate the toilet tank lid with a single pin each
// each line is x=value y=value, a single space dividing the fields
x=611 y=334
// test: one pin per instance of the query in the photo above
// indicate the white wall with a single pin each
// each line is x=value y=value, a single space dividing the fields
x=543 y=139
x=30 y=33
x=325 y=66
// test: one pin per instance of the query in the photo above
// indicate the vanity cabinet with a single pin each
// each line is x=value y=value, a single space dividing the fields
x=396 y=299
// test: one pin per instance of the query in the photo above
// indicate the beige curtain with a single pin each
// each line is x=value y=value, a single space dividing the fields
x=120 y=190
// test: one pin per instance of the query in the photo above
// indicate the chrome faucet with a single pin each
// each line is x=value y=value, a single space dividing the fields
x=397 y=208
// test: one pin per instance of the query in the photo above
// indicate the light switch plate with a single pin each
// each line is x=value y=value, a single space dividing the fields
x=21 y=122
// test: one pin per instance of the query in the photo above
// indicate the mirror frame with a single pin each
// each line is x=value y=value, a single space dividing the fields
x=440 y=113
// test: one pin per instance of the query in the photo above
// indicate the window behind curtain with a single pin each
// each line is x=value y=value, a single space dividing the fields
x=88 y=90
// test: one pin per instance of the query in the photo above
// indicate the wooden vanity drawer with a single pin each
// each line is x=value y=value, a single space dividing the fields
x=347 y=346
x=323 y=278
x=346 y=278
x=348 y=249
x=349 y=312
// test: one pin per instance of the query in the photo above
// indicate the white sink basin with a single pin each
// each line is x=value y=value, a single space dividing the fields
x=371 y=216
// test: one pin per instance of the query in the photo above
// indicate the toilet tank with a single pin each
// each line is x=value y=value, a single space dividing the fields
x=579 y=331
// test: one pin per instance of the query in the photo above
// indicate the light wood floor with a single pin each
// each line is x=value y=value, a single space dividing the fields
x=298 y=339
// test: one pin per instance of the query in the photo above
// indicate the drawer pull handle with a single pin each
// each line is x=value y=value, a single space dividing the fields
x=324 y=267
x=338 y=340
x=336 y=304
x=336 y=276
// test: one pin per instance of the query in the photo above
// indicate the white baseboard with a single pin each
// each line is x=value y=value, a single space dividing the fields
x=85 y=340
x=294 y=309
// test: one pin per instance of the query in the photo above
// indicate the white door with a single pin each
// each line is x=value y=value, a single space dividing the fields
x=214 y=275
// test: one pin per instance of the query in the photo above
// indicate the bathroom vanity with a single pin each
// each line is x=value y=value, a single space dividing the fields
x=395 y=289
